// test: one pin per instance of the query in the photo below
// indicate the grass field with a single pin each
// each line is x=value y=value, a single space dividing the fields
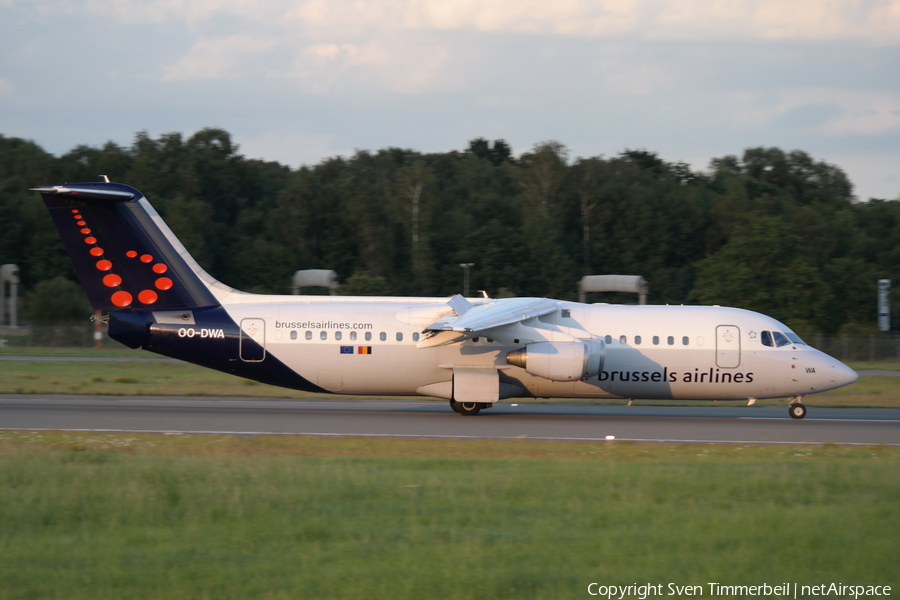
x=151 y=516
x=129 y=378
x=112 y=350
x=182 y=379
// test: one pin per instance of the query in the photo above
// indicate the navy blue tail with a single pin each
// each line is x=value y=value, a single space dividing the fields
x=121 y=256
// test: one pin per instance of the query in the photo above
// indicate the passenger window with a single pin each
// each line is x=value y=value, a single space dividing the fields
x=338 y=335
x=308 y=335
x=766 y=339
x=685 y=340
x=656 y=340
x=780 y=339
x=368 y=336
x=416 y=336
x=353 y=335
x=399 y=337
x=323 y=335
x=566 y=313
x=293 y=335
x=609 y=339
x=670 y=340
x=382 y=336
x=623 y=340
x=637 y=340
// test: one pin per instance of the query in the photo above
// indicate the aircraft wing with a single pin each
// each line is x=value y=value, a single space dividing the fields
x=495 y=314
x=471 y=321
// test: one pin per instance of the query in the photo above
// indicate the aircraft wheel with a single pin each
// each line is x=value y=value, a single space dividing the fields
x=454 y=405
x=797 y=411
x=468 y=408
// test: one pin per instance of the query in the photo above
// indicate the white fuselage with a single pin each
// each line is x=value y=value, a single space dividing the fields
x=369 y=346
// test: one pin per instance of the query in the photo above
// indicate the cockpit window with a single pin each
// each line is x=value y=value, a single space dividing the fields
x=766 y=338
x=780 y=339
x=794 y=337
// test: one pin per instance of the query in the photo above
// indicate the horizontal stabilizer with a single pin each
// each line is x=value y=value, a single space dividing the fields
x=83 y=193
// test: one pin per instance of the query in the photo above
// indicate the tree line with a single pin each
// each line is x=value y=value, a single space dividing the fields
x=772 y=231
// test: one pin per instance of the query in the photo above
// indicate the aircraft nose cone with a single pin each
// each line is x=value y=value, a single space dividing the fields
x=843 y=375
x=828 y=373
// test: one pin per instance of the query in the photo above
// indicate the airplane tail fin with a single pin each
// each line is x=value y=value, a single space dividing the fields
x=123 y=253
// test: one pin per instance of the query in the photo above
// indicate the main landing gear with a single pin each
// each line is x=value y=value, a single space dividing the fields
x=469 y=408
x=795 y=409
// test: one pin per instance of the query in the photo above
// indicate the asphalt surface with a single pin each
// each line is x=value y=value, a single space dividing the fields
x=720 y=423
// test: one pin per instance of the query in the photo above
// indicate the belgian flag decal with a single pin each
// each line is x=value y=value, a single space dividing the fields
x=359 y=350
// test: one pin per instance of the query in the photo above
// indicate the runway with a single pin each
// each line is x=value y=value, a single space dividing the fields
x=422 y=418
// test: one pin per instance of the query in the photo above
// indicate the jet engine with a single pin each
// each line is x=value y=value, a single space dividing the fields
x=561 y=361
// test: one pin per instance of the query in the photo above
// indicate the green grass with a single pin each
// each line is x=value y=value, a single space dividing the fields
x=111 y=349
x=868 y=365
x=875 y=391
x=129 y=378
x=112 y=516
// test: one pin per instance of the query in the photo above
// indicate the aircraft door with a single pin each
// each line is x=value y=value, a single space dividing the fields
x=253 y=330
x=728 y=346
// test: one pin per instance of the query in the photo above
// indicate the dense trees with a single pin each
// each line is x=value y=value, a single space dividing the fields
x=770 y=230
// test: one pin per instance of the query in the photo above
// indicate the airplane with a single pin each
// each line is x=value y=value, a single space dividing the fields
x=473 y=352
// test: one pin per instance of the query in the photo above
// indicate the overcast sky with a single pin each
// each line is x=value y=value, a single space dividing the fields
x=300 y=80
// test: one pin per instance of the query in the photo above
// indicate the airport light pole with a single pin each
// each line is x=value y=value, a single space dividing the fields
x=466 y=267
x=884 y=305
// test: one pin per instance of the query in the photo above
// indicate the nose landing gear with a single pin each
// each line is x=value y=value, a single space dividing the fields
x=796 y=409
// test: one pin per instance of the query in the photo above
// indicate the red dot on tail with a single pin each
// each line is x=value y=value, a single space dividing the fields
x=160 y=268
x=85 y=230
x=145 y=258
x=148 y=297
x=163 y=283
x=77 y=217
x=74 y=211
x=112 y=280
x=81 y=223
x=121 y=299
x=98 y=251
x=104 y=265
x=90 y=240
x=131 y=254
